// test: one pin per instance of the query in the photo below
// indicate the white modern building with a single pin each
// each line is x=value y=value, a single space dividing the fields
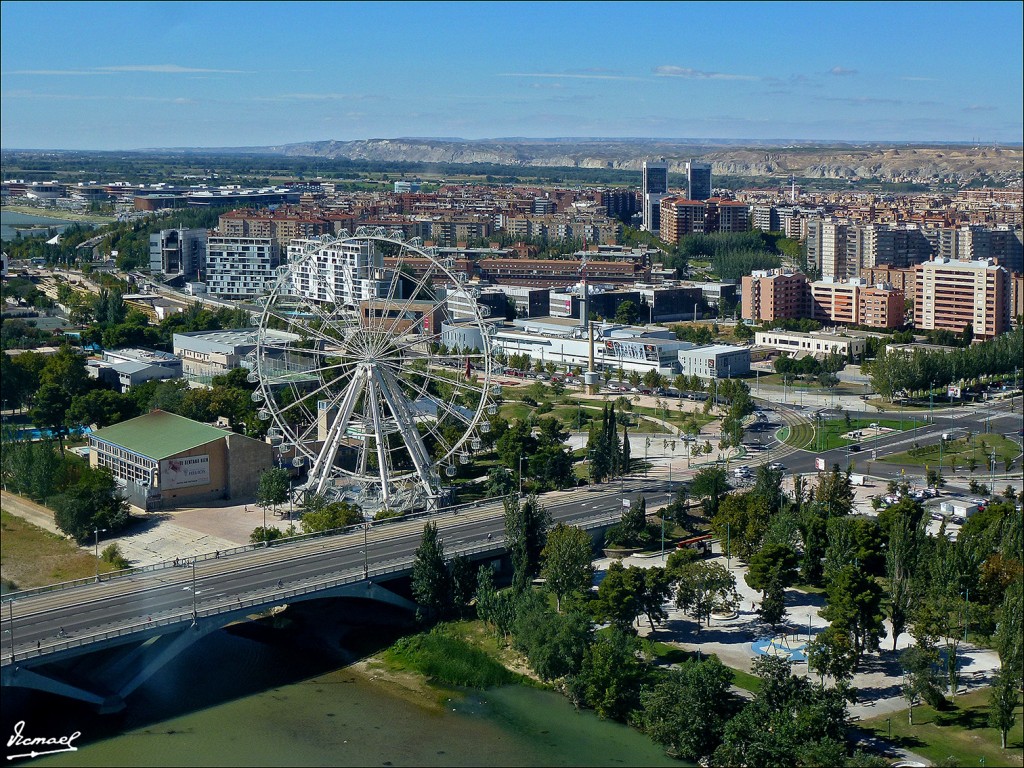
x=815 y=343
x=205 y=354
x=241 y=267
x=178 y=252
x=714 y=361
x=339 y=271
x=124 y=368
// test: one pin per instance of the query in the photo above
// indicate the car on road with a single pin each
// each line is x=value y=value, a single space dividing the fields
x=855 y=448
x=776 y=465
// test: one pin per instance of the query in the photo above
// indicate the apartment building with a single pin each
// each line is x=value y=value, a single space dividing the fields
x=344 y=272
x=882 y=306
x=826 y=247
x=555 y=272
x=774 y=294
x=282 y=225
x=726 y=216
x=681 y=217
x=241 y=267
x=854 y=302
x=953 y=294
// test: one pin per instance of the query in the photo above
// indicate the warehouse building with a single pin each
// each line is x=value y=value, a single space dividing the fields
x=164 y=460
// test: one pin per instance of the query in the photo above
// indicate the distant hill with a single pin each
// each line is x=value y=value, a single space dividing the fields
x=825 y=160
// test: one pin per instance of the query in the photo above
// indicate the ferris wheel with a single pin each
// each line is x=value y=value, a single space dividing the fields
x=354 y=379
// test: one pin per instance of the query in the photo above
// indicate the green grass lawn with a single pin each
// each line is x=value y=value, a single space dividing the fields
x=962 y=733
x=959 y=453
x=775 y=380
x=829 y=435
x=31 y=557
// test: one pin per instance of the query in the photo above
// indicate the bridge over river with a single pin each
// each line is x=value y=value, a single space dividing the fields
x=98 y=641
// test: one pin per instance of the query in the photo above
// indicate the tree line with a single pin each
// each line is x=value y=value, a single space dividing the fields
x=893 y=373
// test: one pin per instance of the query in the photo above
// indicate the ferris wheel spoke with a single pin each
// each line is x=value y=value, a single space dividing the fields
x=411 y=298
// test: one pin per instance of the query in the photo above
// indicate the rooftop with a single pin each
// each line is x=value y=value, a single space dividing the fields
x=159 y=434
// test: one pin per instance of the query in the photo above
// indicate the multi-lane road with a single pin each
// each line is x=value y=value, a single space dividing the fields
x=55 y=621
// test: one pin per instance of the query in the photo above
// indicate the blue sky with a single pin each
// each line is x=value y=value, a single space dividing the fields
x=134 y=75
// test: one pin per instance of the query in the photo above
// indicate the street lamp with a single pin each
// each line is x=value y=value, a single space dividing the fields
x=195 y=612
x=366 y=562
x=520 y=477
x=97 y=532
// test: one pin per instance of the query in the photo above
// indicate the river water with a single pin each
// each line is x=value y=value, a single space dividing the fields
x=11 y=221
x=255 y=695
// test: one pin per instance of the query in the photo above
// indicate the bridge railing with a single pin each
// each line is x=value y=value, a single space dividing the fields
x=276 y=596
x=287 y=540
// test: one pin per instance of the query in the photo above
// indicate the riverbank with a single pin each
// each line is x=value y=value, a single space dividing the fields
x=59 y=215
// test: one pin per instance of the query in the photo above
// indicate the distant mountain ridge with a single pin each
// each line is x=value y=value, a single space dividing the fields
x=832 y=160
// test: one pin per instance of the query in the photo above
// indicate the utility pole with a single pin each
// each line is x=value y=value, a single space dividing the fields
x=97 y=532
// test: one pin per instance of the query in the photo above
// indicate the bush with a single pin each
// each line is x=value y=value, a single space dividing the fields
x=112 y=554
x=447 y=659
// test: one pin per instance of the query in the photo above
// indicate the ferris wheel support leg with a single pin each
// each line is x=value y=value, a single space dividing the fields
x=407 y=426
x=373 y=402
x=320 y=472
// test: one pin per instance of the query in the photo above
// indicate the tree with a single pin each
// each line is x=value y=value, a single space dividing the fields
x=94 y=501
x=686 y=711
x=703 y=588
x=772 y=563
x=656 y=591
x=906 y=537
x=265 y=535
x=917 y=663
x=567 y=562
x=431 y=583
x=773 y=604
x=627 y=313
x=318 y=514
x=742 y=521
x=708 y=485
x=610 y=676
x=834 y=492
x=854 y=605
x=619 y=596
x=632 y=530
x=1003 y=703
x=273 y=487
x=554 y=643
x=832 y=653
x=486 y=594
x=526 y=528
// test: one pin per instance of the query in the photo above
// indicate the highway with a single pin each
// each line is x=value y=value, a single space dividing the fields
x=997 y=417
x=266 y=576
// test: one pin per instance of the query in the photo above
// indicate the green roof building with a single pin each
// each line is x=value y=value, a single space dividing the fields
x=165 y=460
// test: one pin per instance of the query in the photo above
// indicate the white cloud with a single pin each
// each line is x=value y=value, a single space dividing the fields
x=670 y=70
x=170 y=69
x=569 y=75
x=57 y=72
x=842 y=71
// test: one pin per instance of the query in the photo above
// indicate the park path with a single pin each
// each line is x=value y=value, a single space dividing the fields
x=27 y=510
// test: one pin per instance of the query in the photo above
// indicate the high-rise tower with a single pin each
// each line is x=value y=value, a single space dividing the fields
x=698 y=180
x=655 y=187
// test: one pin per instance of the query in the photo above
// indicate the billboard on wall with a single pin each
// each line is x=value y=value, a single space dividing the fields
x=953 y=391
x=819 y=464
x=185 y=472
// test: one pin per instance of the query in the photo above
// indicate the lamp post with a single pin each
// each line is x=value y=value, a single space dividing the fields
x=366 y=561
x=195 y=612
x=264 y=525
x=96 y=533
x=520 y=477
x=10 y=616
x=808 y=627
